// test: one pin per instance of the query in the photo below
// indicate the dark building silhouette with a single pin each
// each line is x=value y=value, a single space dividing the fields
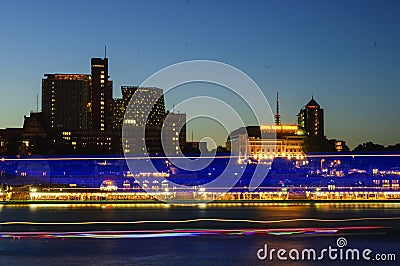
x=32 y=138
x=146 y=98
x=79 y=116
x=66 y=100
x=77 y=108
x=101 y=94
x=163 y=132
x=118 y=112
x=78 y=101
x=174 y=133
x=311 y=119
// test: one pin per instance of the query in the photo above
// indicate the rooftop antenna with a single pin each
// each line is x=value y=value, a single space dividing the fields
x=105 y=51
x=277 y=115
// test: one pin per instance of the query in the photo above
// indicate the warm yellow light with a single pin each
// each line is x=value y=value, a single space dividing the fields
x=279 y=127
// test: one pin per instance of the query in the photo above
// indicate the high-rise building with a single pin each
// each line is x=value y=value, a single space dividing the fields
x=79 y=101
x=146 y=99
x=101 y=94
x=147 y=122
x=143 y=119
x=311 y=119
x=118 y=112
x=82 y=114
x=66 y=101
x=174 y=133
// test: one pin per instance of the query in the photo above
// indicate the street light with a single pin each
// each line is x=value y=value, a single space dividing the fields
x=322 y=160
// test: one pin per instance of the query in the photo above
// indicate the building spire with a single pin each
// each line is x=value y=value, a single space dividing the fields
x=105 y=51
x=277 y=115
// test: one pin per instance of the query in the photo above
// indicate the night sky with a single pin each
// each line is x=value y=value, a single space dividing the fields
x=345 y=53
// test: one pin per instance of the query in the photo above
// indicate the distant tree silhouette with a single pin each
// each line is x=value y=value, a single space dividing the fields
x=395 y=147
x=369 y=146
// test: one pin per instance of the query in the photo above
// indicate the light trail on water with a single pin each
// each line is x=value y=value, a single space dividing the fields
x=200 y=220
x=185 y=232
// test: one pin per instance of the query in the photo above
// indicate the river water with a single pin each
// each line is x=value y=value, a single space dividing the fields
x=219 y=234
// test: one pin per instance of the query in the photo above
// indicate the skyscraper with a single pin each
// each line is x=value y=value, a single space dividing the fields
x=150 y=99
x=101 y=94
x=78 y=101
x=118 y=112
x=174 y=133
x=66 y=101
x=311 y=119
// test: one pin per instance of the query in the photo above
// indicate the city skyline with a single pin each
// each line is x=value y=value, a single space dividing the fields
x=343 y=53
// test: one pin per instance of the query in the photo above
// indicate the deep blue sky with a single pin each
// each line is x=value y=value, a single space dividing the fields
x=346 y=53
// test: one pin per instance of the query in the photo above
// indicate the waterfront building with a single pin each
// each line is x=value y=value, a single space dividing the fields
x=80 y=116
x=311 y=119
x=151 y=99
x=174 y=133
x=87 y=141
x=170 y=138
x=118 y=112
x=146 y=99
x=148 y=123
x=77 y=109
x=30 y=139
x=78 y=101
x=266 y=142
x=101 y=94
x=66 y=101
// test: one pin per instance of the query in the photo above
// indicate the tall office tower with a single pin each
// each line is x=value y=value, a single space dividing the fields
x=174 y=133
x=66 y=101
x=118 y=112
x=311 y=119
x=101 y=94
x=145 y=99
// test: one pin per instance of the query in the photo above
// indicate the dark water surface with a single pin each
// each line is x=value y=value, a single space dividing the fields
x=226 y=234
